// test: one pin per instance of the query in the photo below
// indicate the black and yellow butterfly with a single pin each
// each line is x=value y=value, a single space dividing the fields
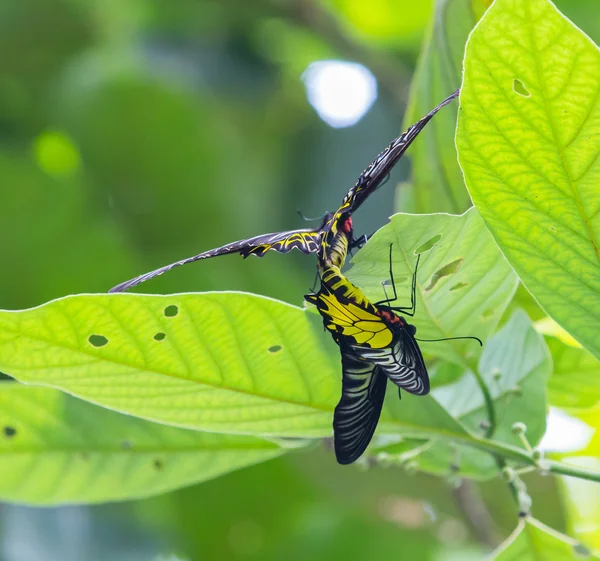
x=333 y=238
x=376 y=343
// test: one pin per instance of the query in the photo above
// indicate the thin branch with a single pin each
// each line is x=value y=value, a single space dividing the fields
x=469 y=501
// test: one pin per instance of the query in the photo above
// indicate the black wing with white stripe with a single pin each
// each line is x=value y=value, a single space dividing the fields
x=357 y=414
x=402 y=362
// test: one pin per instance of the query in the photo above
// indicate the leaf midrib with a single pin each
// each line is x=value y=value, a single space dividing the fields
x=145 y=369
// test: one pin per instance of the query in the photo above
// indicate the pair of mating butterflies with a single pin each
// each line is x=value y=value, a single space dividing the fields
x=376 y=344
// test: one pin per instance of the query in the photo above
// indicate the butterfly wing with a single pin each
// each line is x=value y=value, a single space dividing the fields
x=306 y=241
x=347 y=313
x=357 y=413
x=402 y=362
x=379 y=169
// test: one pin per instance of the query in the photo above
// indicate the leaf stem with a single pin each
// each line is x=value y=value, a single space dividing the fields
x=487 y=398
x=509 y=452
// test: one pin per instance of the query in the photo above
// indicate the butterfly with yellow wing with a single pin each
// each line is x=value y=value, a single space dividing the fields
x=333 y=238
x=376 y=343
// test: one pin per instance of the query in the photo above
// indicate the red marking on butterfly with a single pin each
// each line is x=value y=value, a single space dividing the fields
x=347 y=225
x=390 y=317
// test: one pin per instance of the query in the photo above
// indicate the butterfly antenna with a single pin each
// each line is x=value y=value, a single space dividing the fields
x=450 y=339
x=307 y=219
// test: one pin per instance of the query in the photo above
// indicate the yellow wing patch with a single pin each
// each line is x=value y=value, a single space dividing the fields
x=347 y=312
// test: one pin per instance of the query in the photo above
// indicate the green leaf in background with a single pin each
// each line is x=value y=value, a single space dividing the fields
x=463 y=284
x=582 y=504
x=528 y=145
x=575 y=381
x=56 y=449
x=515 y=365
x=437 y=183
x=220 y=362
x=534 y=541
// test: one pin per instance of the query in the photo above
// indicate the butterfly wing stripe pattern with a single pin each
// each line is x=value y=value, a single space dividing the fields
x=376 y=172
x=402 y=362
x=357 y=413
x=305 y=240
x=347 y=313
x=371 y=178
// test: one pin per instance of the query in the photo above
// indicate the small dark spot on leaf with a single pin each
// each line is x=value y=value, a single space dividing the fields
x=274 y=348
x=159 y=336
x=428 y=244
x=444 y=271
x=158 y=464
x=459 y=285
x=454 y=468
x=520 y=88
x=126 y=445
x=97 y=340
x=9 y=432
x=171 y=311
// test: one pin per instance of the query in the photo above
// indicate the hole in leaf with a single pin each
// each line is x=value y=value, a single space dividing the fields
x=428 y=244
x=581 y=550
x=171 y=311
x=158 y=464
x=444 y=271
x=274 y=348
x=520 y=88
x=9 y=432
x=98 y=340
x=159 y=336
x=397 y=280
x=459 y=285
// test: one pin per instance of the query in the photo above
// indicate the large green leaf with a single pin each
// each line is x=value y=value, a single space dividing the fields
x=463 y=284
x=437 y=183
x=221 y=362
x=575 y=381
x=534 y=541
x=58 y=449
x=528 y=145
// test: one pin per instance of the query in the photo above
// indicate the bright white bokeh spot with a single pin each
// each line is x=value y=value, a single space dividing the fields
x=341 y=92
x=565 y=433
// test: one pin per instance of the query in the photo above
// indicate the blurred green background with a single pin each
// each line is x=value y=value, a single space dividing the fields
x=137 y=132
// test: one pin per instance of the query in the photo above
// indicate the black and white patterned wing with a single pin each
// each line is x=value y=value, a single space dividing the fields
x=402 y=362
x=357 y=413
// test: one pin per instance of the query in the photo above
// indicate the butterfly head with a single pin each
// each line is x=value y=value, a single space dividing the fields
x=346 y=225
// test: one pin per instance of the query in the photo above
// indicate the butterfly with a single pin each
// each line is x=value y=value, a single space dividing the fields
x=376 y=343
x=333 y=238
